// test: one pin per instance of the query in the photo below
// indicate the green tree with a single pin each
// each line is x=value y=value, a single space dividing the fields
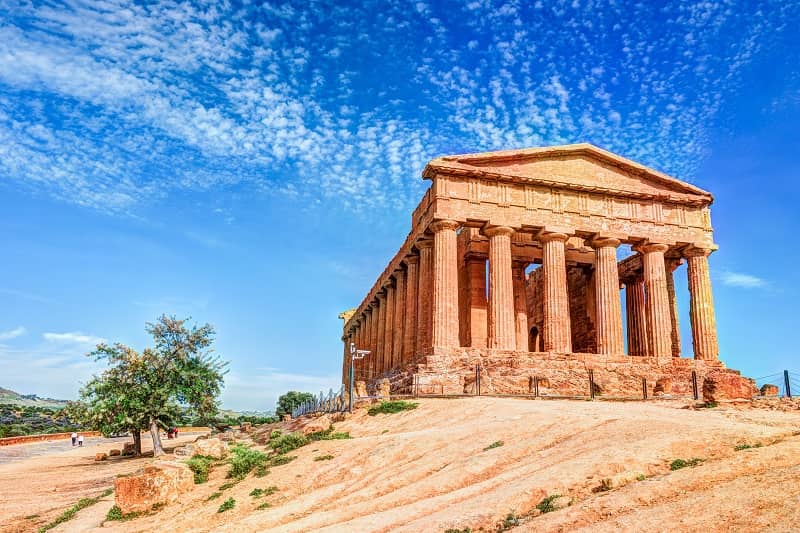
x=152 y=388
x=287 y=402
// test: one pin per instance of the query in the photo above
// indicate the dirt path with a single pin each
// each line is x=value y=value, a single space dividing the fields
x=41 y=480
x=429 y=469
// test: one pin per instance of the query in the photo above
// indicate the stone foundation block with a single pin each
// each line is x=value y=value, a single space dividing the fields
x=162 y=483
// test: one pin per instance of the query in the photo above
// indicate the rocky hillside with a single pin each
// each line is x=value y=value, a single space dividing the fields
x=10 y=397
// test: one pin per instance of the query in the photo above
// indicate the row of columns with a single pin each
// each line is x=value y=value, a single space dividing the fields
x=418 y=307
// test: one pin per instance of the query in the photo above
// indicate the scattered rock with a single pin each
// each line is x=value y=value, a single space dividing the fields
x=213 y=447
x=769 y=390
x=308 y=424
x=100 y=456
x=246 y=427
x=618 y=480
x=159 y=484
x=128 y=449
x=114 y=453
x=184 y=451
x=561 y=502
x=727 y=385
x=384 y=388
x=361 y=389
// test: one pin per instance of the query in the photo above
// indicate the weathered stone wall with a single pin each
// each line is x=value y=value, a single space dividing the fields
x=534 y=290
x=580 y=290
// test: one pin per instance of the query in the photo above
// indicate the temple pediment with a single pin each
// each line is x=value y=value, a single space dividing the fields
x=578 y=166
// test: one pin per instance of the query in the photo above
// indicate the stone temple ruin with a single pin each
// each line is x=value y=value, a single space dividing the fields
x=511 y=265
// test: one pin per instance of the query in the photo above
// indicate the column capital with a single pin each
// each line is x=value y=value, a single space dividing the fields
x=649 y=247
x=553 y=236
x=381 y=296
x=694 y=250
x=424 y=242
x=441 y=225
x=603 y=242
x=411 y=259
x=491 y=231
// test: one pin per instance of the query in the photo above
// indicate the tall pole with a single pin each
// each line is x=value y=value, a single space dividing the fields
x=350 y=396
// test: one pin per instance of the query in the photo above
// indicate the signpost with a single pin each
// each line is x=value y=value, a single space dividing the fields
x=354 y=354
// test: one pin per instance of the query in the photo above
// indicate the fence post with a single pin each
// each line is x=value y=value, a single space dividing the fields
x=786 y=380
x=477 y=380
x=694 y=385
x=591 y=384
x=644 y=388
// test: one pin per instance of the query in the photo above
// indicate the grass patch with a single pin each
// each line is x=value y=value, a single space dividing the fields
x=390 y=407
x=115 y=514
x=640 y=477
x=200 y=465
x=265 y=505
x=323 y=458
x=229 y=484
x=495 y=444
x=546 y=505
x=740 y=447
x=244 y=460
x=275 y=434
x=70 y=513
x=708 y=405
x=227 y=505
x=453 y=530
x=261 y=470
x=511 y=520
x=328 y=434
x=260 y=493
x=279 y=460
x=677 y=464
x=288 y=442
x=214 y=496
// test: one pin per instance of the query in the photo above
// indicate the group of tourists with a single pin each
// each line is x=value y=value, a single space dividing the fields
x=77 y=440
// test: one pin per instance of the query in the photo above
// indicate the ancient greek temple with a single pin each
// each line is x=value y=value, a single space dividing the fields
x=513 y=264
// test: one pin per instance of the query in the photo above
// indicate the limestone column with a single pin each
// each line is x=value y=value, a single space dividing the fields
x=410 y=315
x=701 y=305
x=477 y=315
x=557 y=332
x=388 y=335
x=380 y=335
x=520 y=306
x=399 y=317
x=608 y=311
x=658 y=315
x=445 y=284
x=425 y=301
x=367 y=344
x=671 y=265
x=502 y=329
x=635 y=309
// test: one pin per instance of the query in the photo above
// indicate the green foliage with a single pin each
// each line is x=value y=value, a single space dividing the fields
x=279 y=460
x=261 y=470
x=214 y=496
x=229 y=484
x=70 y=513
x=244 y=460
x=18 y=420
x=227 y=505
x=275 y=434
x=511 y=520
x=260 y=493
x=265 y=505
x=153 y=388
x=677 y=464
x=709 y=405
x=640 y=477
x=393 y=406
x=323 y=458
x=452 y=530
x=740 y=447
x=495 y=444
x=115 y=514
x=288 y=442
x=546 y=505
x=287 y=402
x=328 y=434
x=200 y=464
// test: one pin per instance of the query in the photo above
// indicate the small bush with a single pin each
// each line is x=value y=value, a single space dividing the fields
x=244 y=460
x=263 y=506
x=453 y=530
x=200 y=464
x=511 y=520
x=115 y=515
x=323 y=458
x=495 y=444
x=279 y=460
x=286 y=443
x=214 y=496
x=261 y=470
x=546 y=505
x=640 y=477
x=260 y=493
x=740 y=447
x=275 y=434
x=390 y=407
x=677 y=464
x=709 y=405
x=228 y=484
x=227 y=505
x=328 y=434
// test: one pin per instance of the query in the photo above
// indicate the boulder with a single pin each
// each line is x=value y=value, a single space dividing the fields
x=128 y=449
x=384 y=388
x=159 y=484
x=100 y=456
x=213 y=447
x=184 y=451
x=114 y=453
x=727 y=385
x=246 y=427
x=769 y=390
x=361 y=389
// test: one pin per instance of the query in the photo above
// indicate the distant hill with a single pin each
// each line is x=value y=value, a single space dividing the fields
x=10 y=397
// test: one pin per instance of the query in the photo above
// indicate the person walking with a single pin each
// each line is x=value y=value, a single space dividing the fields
x=74 y=438
x=80 y=440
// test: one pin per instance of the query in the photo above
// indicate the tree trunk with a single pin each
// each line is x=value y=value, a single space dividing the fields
x=137 y=442
x=157 y=449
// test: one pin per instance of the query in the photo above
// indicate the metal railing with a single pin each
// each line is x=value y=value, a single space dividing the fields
x=324 y=403
x=787 y=383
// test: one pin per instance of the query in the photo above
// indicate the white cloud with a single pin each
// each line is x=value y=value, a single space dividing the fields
x=12 y=333
x=73 y=337
x=746 y=281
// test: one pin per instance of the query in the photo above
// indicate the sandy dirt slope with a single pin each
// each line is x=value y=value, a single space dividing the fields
x=428 y=470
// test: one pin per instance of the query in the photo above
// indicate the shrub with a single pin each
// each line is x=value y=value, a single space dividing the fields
x=260 y=493
x=286 y=443
x=495 y=444
x=546 y=505
x=227 y=505
x=214 y=496
x=640 y=477
x=677 y=464
x=328 y=434
x=511 y=520
x=390 y=407
x=228 y=485
x=323 y=458
x=275 y=434
x=200 y=464
x=740 y=447
x=263 y=506
x=279 y=460
x=244 y=460
x=115 y=514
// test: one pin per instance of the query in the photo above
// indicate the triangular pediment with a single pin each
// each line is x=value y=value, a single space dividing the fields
x=580 y=166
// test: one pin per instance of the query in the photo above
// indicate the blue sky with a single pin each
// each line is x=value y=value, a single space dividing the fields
x=255 y=165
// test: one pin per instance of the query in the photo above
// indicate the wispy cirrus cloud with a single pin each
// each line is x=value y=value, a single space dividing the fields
x=73 y=337
x=113 y=105
x=745 y=281
x=12 y=333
